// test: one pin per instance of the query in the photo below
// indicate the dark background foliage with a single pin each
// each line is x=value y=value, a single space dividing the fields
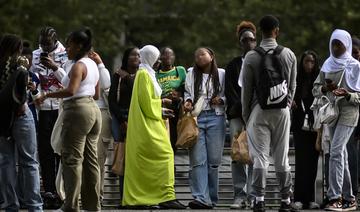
x=182 y=24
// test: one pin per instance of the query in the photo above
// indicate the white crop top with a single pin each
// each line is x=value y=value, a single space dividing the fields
x=87 y=86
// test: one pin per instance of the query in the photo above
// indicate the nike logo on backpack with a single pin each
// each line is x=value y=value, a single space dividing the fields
x=277 y=93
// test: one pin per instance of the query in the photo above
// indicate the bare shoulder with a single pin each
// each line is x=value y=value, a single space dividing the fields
x=78 y=67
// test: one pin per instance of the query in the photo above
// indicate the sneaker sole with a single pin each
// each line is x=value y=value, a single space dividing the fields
x=333 y=209
x=353 y=208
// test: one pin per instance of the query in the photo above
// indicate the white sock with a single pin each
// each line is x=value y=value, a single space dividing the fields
x=260 y=199
x=287 y=201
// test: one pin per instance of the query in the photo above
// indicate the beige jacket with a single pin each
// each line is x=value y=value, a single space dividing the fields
x=348 y=109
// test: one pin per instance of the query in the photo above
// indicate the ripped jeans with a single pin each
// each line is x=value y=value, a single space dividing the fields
x=205 y=157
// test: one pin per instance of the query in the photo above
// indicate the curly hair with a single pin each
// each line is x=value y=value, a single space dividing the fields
x=244 y=26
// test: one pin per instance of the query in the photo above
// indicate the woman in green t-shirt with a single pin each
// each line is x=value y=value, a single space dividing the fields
x=171 y=79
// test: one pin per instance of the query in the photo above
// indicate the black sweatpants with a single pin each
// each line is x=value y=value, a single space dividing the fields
x=306 y=162
x=49 y=161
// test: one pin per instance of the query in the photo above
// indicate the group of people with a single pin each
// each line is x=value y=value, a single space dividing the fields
x=63 y=107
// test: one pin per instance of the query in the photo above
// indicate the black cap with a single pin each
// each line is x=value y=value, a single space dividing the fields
x=268 y=23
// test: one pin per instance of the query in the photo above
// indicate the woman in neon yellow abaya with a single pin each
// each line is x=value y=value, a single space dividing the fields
x=149 y=158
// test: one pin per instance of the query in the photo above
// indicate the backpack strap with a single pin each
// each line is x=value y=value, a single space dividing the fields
x=260 y=50
x=278 y=50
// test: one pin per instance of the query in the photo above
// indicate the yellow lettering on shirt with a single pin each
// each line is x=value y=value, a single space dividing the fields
x=168 y=78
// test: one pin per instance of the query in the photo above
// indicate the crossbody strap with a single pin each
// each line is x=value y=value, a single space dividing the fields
x=118 y=90
x=342 y=75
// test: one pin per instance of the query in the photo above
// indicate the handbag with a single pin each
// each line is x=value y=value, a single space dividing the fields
x=55 y=140
x=187 y=130
x=59 y=182
x=329 y=112
x=118 y=165
x=306 y=125
x=240 y=149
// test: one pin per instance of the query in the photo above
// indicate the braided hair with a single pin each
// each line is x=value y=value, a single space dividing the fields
x=10 y=49
x=48 y=32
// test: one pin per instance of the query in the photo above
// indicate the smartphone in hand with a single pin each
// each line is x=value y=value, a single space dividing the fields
x=328 y=81
x=44 y=54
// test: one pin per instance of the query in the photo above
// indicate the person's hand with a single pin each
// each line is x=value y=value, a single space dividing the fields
x=167 y=113
x=217 y=101
x=21 y=110
x=38 y=101
x=175 y=95
x=329 y=86
x=95 y=57
x=340 y=92
x=166 y=102
x=48 y=63
x=188 y=107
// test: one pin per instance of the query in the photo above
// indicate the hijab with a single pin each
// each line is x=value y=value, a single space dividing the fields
x=148 y=56
x=345 y=62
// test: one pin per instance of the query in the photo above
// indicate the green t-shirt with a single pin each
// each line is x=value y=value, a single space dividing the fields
x=169 y=80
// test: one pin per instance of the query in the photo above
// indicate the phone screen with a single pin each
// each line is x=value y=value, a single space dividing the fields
x=44 y=54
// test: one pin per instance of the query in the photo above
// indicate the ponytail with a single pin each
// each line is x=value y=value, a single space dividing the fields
x=82 y=37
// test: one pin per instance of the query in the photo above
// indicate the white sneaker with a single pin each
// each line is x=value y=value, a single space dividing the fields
x=238 y=203
x=298 y=205
x=252 y=202
x=313 y=205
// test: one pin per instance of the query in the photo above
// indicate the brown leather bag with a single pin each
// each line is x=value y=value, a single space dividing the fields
x=240 y=149
x=118 y=166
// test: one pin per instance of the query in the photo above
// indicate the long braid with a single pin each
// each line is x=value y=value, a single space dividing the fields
x=6 y=74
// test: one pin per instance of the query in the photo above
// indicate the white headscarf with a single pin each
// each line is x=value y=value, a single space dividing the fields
x=148 y=56
x=345 y=62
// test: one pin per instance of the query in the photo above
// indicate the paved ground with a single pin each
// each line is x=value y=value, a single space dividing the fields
x=214 y=210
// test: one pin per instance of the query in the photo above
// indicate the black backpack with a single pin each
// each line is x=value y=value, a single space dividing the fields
x=271 y=81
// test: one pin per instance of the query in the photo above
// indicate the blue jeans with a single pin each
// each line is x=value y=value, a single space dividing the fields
x=27 y=188
x=352 y=148
x=241 y=173
x=205 y=157
x=339 y=174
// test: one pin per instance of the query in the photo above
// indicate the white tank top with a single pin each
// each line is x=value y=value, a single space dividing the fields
x=87 y=86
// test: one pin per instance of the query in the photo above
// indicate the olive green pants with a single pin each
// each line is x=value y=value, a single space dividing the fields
x=80 y=133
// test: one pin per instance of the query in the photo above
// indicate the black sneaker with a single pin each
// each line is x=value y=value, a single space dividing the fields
x=348 y=205
x=259 y=206
x=285 y=207
x=172 y=204
x=195 y=204
x=325 y=202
